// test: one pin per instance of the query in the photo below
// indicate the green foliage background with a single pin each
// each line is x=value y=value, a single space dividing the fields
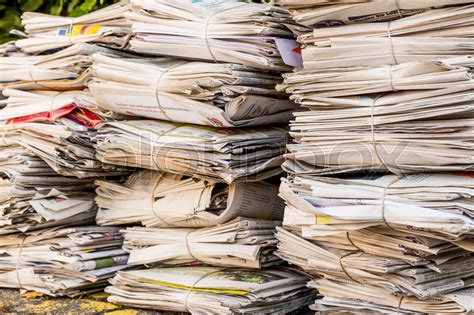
x=11 y=10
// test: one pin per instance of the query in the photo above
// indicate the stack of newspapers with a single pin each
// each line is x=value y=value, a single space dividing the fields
x=62 y=261
x=48 y=166
x=207 y=139
x=379 y=198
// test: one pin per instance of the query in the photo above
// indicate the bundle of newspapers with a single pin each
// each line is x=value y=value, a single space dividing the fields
x=66 y=143
x=217 y=31
x=204 y=93
x=212 y=290
x=44 y=32
x=242 y=242
x=351 y=127
x=321 y=13
x=64 y=70
x=379 y=200
x=61 y=261
x=49 y=241
x=204 y=152
x=158 y=199
x=33 y=196
x=192 y=221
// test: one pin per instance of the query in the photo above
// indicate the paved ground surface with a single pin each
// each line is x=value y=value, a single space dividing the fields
x=11 y=302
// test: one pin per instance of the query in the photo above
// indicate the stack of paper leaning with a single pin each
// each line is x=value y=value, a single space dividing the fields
x=388 y=89
x=48 y=166
x=206 y=208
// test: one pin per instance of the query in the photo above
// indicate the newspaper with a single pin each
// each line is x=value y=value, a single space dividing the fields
x=220 y=95
x=48 y=106
x=65 y=146
x=323 y=13
x=198 y=151
x=357 y=298
x=33 y=196
x=228 y=31
x=158 y=199
x=434 y=35
x=378 y=199
x=64 y=70
x=211 y=290
x=350 y=128
x=45 y=32
x=62 y=261
x=324 y=215
x=394 y=276
x=449 y=22
x=242 y=242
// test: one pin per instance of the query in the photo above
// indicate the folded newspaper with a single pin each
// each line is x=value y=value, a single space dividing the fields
x=212 y=290
x=157 y=199
x=215 y=94
x=44 y=32
x=322 y=13
x=49 y=106
x=66 y=147
x=192 y=150
x=67 y=261
x=242 y=242
x=434 y=35
x=33 y=196
x=64 y=70
x=390 y=92
x=346 y=297
x=312 y=205
x=424 y=279
x=228 y=31
x=349 y=127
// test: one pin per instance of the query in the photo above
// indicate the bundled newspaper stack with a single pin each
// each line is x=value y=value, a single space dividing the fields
x=44 y=32
x=61 y=261
x=214 y=94
x=64 y=70
x=216 y=31
x=48 y=165
x=47 y=208
x=206 y=207
x=388 y=91
x=33 y=196
x=212 y=290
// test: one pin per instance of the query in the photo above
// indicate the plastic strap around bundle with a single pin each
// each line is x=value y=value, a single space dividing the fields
x=188 y=247
x=206 y=29
x=374 y=141
x=382 y=203
x=152 y=199
x=399 y=304
x=343 y=268
x=32 y=79
x=398 y=9
x=352 y=242
x=158 y=90
x=186 y=302
x=18 y=262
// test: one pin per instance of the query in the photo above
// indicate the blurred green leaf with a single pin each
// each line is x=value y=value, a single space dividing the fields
x=31 y=5
x=87 y=5
x=72 y=4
